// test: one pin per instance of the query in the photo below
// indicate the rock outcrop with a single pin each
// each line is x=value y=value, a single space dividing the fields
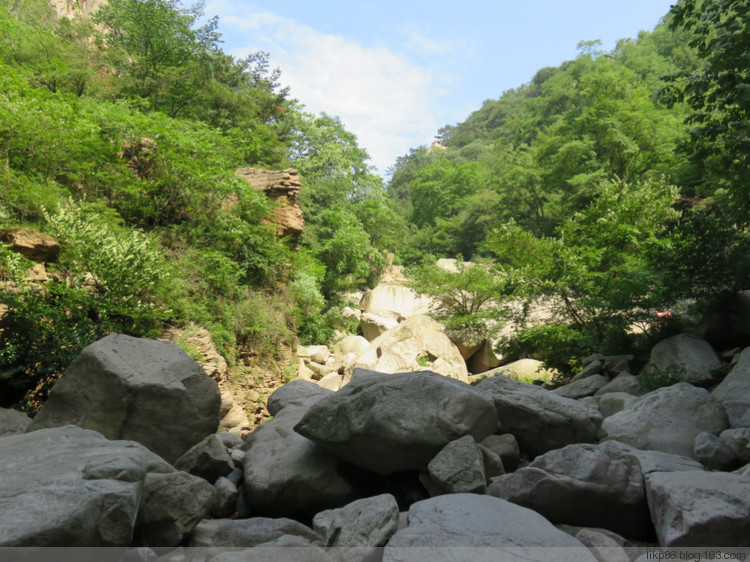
x=282 y=187
x=33 y=245
x=74 y=9
x=419 y=342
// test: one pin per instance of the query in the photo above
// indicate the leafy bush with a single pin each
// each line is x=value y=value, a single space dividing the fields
x=657 y=378
x=262 y=325
x=124 y=264
x=472 y=295
x=558 y=346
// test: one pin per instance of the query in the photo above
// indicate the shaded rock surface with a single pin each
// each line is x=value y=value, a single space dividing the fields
x=209 y=459
x=69 y=486
x=285 y=473
x=734 y=392
x=13 y=422
x=366 y=522
x=138 y=389
x=457 y=468
x=506 y=447
x=262 y=530
x=389 y=423
x=539 y=419
x=614 y=402
x=712 y=452
x=583 y=484
x=172 y=505
x=688 y=357
x=624 y=382
x=668 y=419
x=587 y=386
x=298 y=393
x=738 y=440
x=700 y=508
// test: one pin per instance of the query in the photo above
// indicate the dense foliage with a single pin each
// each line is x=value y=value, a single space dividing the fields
x=121 y=140
x=612 y=186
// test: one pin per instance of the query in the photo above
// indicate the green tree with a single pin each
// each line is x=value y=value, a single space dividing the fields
x=154 y=45
x=472 y=295
x=718 y=95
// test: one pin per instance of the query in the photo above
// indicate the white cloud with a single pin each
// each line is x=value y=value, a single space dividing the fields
x=420 y=43
x=386 y=100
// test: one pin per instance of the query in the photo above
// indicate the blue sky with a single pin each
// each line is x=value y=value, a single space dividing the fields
x=395 y=72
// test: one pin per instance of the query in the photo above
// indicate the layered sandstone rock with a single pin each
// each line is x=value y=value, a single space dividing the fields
x=282 y=187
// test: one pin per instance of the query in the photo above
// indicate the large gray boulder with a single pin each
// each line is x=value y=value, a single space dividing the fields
x=585 y=485
x=69 y=486
x=13 y=422
x=668 y=419
x=540 y=420
x=700 y=509
x=734 y=392
x=172 y=505
x=138 y=389
x=484 y=523
x=390 y=423
x=285 y=473
x=362 y=523
x=685 y=356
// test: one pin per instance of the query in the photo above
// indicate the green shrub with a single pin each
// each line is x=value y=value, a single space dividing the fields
x=261 y=324
x=657 y=378
x=558 y=346
x=124 y=263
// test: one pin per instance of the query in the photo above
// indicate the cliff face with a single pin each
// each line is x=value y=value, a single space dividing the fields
x=282 y=187
x=75 y=8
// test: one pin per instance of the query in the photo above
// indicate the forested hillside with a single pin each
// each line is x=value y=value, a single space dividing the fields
x=120 y=138
x=612 y=188
x=613 y=185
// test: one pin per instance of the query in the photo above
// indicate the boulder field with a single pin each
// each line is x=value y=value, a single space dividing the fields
x=395 y=467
